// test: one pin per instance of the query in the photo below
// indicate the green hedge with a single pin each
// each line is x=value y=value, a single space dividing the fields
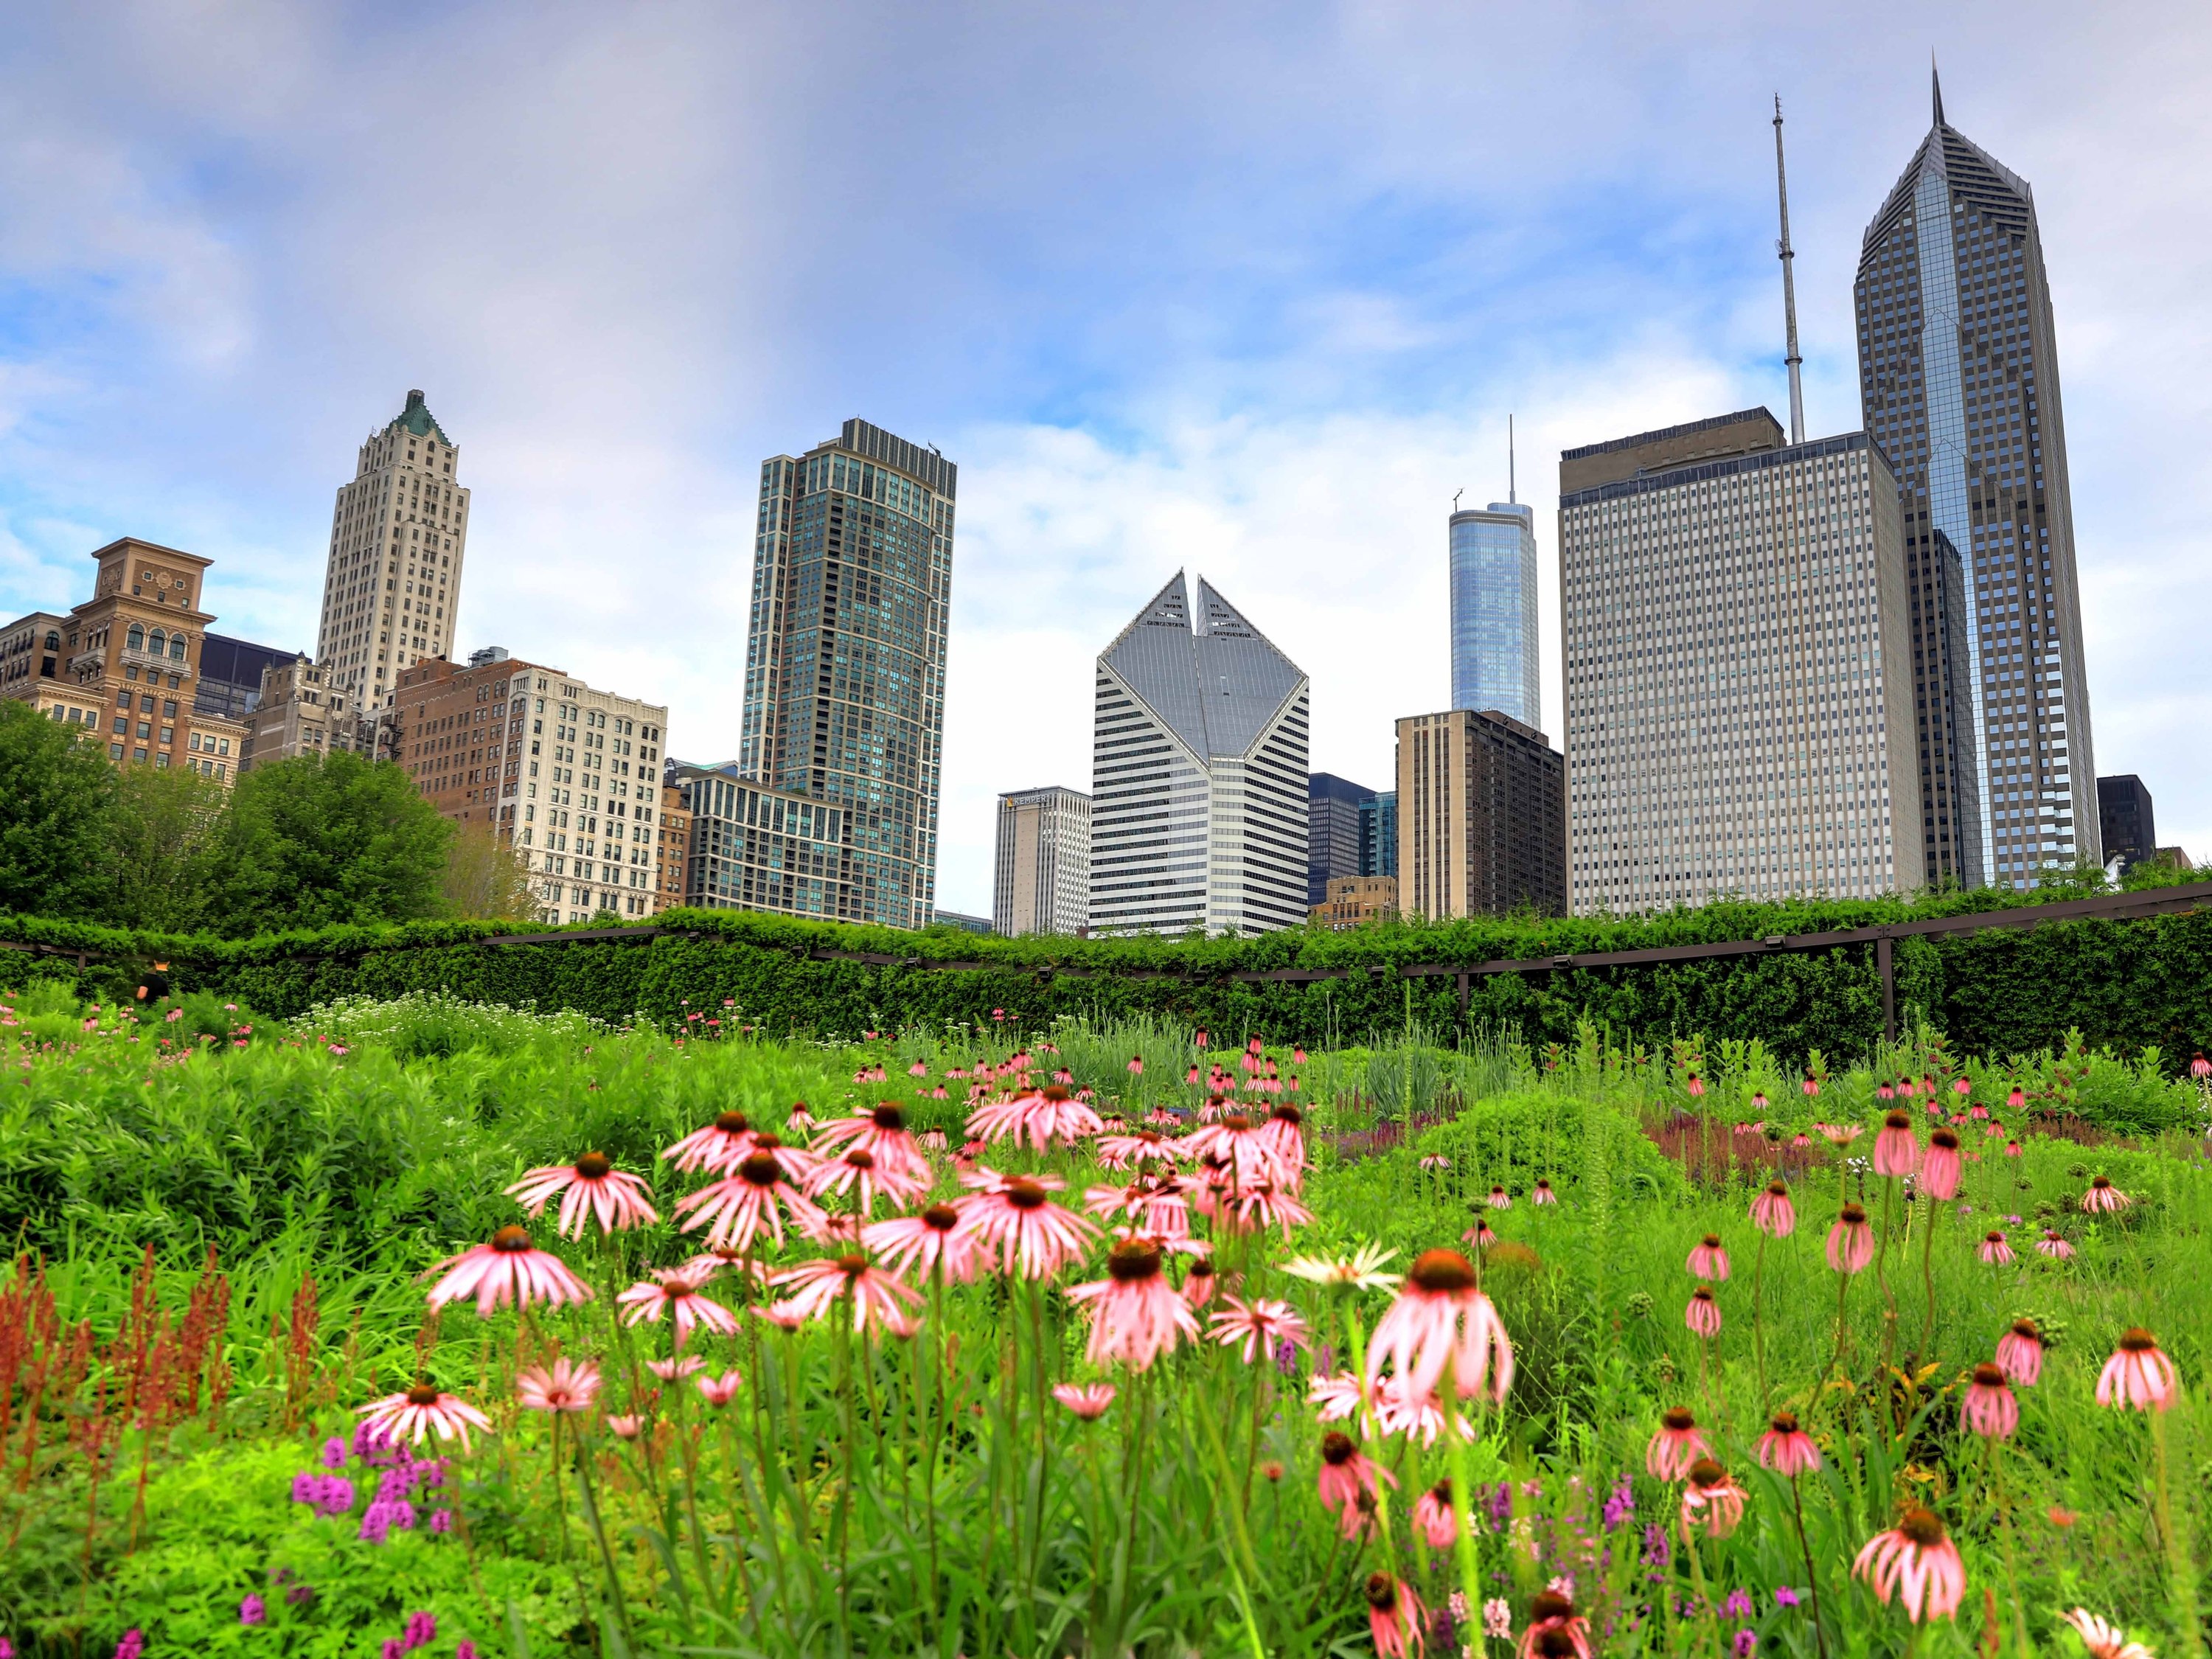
x=2125 y=984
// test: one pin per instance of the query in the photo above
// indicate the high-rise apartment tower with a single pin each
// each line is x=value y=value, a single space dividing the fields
x=1041 y=880
x=845 y=661
x=1484 y=830
x=1958 y=376
x=1494 y=659
x=1739 y=699
x=1198 y=793
x=393 y=583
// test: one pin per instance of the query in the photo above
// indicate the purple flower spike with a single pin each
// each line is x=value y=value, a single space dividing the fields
x=253 y=1611
x=442 y=1520
x=334 y=1453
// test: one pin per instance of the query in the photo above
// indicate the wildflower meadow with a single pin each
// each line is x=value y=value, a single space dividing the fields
x=425 y=1327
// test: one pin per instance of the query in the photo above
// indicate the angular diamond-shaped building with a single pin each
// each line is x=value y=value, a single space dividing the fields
x=1198 y=816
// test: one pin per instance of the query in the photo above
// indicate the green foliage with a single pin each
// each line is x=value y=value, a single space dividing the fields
x=55 y=791
x=162 y=830
x=324 y=839
x=1511 y=1140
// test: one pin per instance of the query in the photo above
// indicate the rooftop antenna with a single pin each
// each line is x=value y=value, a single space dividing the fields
x=1512 y=496
x=1456 y=493
x=1788 y=287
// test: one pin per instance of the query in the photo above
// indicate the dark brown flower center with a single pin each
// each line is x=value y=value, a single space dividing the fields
x=1554 y=1643
x=1712 y=1240
x=511 y=1240
x=1852 y=1215
x=1993 y=1237
x=1944 y=1140
x=1024 y=1194
x=1550 y=1604
x=1441 y=1491
x=853 y=1265
x=2138 y=1340
x=761 y=1169
x=942 y=1217
x=1236 y=1123
x=888 y=1116
x=1055 y=1094
x=594 y=1166
x=422 y=1393
x=732 y=1123
x=2101 y=1182
x=1921 y=1526
x=1896 y=1121
x=1783 y=1422
x=1200 y=1269
x=1701 y=1294
x=1706 y=1473
x=1443 y=1272
x=860 y=1158
x=1132 y=1261
x=1382 y=1592
x=768 y=1139
x=1678 y=1419
x=2027 y=1328
x=1336 y=1449
x=1988 y=1377
x=1778 y=1189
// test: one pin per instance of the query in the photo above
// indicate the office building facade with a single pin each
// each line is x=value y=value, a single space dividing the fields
x=1378 y=835
x=753 y=848
x=2127 y=825
x=844 y=697
x=1041 y=880
x=1355 y=901
x=1198 y=811
x=1336 y=831
x=675 y=842
x=567 y=774
x=1495 y=662
x=399 y=535
x=1739 y=688
x=1482 y=824
x=1958 y=380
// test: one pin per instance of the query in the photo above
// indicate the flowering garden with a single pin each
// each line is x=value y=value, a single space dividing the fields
x=420 y=1327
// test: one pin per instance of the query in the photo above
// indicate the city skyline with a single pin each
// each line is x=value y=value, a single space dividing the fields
x=1376 y=317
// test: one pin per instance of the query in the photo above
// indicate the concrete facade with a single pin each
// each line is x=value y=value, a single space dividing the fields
x=1042 y=869
x=1481 y=817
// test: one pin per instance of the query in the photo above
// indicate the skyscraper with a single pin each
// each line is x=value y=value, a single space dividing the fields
x=1042 y=882
x=1738 y=710
x=1198 y=809
x=1484 y=800
x=393 y=583
x=1494 y=659
x=1958 y=377
x=2127 y=823
x=845 y=661
x=1336 y=832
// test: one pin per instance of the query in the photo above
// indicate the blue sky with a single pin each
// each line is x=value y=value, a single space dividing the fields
x=1245 y=289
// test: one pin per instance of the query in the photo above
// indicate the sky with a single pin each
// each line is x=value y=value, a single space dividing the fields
x=1245 y=290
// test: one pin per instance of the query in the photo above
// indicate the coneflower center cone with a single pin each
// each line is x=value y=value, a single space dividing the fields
x=1678 y=1419
x=732 y=1123
x=888 y=1116
x=1921 y=1526
x=1896 y=1121
x=1706 y=1473
x=1852 y=1215
x=941 y=1218
x=594 y=1166
x=1382 y=1592
x=853 y=1265
x=1988 y=1377
x=1133 y=1262
x=761 y=1169
x=1336 y=1449
x=422 y=1393
x=2138 y=1340
x=1550 y=1604
x=1443 y=1273
x=511 y=1239
x=1025 y=1194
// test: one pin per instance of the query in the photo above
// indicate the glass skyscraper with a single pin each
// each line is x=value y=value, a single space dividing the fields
x=845 y=663
x=1959 y=378
x=1493 y=612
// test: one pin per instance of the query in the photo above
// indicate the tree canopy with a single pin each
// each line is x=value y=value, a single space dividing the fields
x=56 y=790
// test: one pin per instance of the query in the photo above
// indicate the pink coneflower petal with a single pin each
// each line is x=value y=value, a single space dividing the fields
x=1994 y=1249
x=1786 y=1448
x=1262 y=1325
x=1441 y=1319
x=1711 y=1498
x=1014 y=1222
x=1089 y=1401
x=1917 y=1565
x=1676 y=1445
x=719 y=1390
x=1896 y=1151
x=1434 y=1517
x=2103 y=1638
x=925 y=1244
x=591 y=1186
x=2138 y=1375
x=676 y=1292
x=874 y=1295
x=2103 y=1198
x=1709 y=1259
x=1134 y=1312
x=1987 y=1407
x=507 y=1269
x=2019 y=1352
x=717 y=1146
x=753 y=1199
x=1850 y=1241
x=1703 y=1316
x=1347 y=1482
x=563 y=1387
x=422 y=1410
x=1772 y=1212
x=1394 y=1614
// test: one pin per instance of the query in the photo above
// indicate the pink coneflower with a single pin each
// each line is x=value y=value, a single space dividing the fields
x=1915 y=1562
x=1708 y=1259
x=1395 y=1615
x=715 y=1146
x=801 y=1120
x=1089 y=1401
x=675 y=1370
x=1016 y=1224
x=1199 y=1284
x=1850 y=1241
x=1703 y=1315
x=507 y=1269
x=675 y=1291
x=1811 y=1086
x=1786 y=1448
x=1436 y=1163
x=1711 y=1498
x=1939 y=1165
x=1285 y=1134
x=1895 y=1151
x=1555 y=1629
x=1989 y=1409
x=625 y=1427
x=1839 y=1135
x=2012 y=1149
x=1263 y=1325
x=1440 y=1318
x=1499 y=1199
x=1243 y=1150
x=1122 y=1151
x=1677 y=1443
x=565 y=1386
x=1541 y=1192
x=1136 y=1065
x=1479 y=1235
x=1397 y=1412
x=2019 y=1352
x=2052 y=1245
x=1696 y=1085
x=2104 y=1197
x=866 y=1176
x=1889 y=1090
x=924 y=1244
x=1433 y=1517
x=1334 y=1398
x=752 y=1199
x=421 y=1410
x=719 y=1390
x=2105 y=1639
x=1347 y=1478
x=1258 y=1207
x=1995 y=1249
x=1772 y=1212
x=2138 y=1375
x=1135 y=1314
x=873 y=1294
x=882 y=1132
x=782 y=1314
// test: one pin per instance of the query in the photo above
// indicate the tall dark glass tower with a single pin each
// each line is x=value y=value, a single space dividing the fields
x=845 y=663
x=1959 y=378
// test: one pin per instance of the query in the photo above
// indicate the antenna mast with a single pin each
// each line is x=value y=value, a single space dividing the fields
x=1788 y=287
x=1512 y=495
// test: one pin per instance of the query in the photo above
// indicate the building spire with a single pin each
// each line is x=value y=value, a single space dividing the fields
x=1936 y=81
x=1512 y=497
x=1788 y=287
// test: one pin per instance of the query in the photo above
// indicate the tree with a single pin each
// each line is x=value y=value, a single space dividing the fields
x=55 y=787
x=326 y=839
x=486 y=879
x=164 y=828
